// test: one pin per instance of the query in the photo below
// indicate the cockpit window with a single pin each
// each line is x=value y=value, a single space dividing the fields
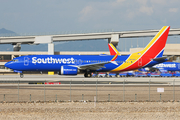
x=15 y=60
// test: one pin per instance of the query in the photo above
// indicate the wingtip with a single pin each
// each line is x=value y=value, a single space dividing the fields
x=112 y=49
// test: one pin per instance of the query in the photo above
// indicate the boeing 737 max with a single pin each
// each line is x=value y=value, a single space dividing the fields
x=74 y=64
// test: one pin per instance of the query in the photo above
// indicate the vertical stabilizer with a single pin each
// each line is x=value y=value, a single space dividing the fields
x=156 y=46
x=153 y=50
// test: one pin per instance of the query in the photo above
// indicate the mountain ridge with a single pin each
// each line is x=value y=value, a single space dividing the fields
x=4 y=32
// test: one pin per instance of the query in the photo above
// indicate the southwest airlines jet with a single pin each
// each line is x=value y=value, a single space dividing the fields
x=168 y=66
x=74 y=64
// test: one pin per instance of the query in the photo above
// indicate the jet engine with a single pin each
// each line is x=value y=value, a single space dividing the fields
x=68 y=70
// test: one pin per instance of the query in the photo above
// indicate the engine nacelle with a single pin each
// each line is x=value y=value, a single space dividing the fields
x=68 y=70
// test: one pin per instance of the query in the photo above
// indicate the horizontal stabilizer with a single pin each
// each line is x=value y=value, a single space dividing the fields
x=164 y=58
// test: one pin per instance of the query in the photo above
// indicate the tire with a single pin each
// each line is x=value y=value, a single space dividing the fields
x=21 y=75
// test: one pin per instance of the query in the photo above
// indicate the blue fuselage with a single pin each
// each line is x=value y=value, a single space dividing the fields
x=54 y=62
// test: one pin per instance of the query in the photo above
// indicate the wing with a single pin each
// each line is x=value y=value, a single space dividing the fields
x=94 y=66
x=97 y=66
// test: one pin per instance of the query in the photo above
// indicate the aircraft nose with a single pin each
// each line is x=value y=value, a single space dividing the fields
x=8 y=64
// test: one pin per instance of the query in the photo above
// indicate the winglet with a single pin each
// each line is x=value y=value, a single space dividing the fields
x=112 y=49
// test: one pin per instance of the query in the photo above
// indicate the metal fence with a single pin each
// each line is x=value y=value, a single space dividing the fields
x=121 y=91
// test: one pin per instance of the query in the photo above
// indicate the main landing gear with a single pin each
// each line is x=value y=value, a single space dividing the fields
x=87 y=74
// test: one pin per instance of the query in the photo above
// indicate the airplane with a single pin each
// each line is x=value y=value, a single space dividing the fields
x=87 y=64
x=167 y=66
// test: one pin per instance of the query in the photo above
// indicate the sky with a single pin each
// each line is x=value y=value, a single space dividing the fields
x=83 y=16
x=41 y=16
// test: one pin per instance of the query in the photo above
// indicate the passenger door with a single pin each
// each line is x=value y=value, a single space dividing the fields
x=26 y=61
x=140 y=62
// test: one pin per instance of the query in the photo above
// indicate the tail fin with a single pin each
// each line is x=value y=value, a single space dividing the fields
x=156 y=46
x=153 y=50
x=113 y=50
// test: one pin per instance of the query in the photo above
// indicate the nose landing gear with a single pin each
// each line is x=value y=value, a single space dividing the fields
x=21 y=75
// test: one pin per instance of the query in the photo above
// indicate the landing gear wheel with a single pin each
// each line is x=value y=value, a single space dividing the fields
x=90 y=75
x=87 y=75
x=21 y=75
